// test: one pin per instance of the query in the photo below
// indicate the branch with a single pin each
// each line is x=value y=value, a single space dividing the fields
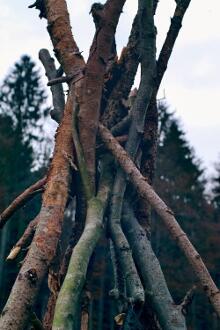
x=24 y=240
x=147 y=192
x=149 y=141
x=122 y=79
x=172 y=34
x=134 y=288
x=21 y=200
x=89 y=97
x=57 y=91
x=168 y=314
x=188 y=300
x=69 y=297
x=59 y=28
x=43 y=248
x=138 y=112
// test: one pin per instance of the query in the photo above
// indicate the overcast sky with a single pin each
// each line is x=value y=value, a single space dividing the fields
x=192 y=81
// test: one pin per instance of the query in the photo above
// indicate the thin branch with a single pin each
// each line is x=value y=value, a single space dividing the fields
x=57 y=91
x=24 y=240
x=187 y=301
x=73 y=78
x=146 y=191
x=172 y=34
x=21 y=200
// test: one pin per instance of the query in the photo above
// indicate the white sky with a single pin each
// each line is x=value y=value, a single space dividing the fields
x=192 y=81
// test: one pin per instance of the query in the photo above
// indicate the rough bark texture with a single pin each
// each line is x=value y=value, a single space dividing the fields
x=122 y=80
x=147 y=192
x=22 y=199
x=89 y=96
x=149 y=141
x=43 y=248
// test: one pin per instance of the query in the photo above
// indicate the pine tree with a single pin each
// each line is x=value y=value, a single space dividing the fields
x=22 y=113
x=216 y=188
x=180 y=182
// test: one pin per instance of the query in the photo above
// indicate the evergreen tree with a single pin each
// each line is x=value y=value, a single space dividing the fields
x=22 y=114
x=216 y=188
x=23 y=98
x=180 y=182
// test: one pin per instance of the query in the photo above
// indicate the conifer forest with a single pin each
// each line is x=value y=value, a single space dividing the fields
x=109 y=223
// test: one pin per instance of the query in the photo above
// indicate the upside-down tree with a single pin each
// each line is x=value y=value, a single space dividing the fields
x=104 y=155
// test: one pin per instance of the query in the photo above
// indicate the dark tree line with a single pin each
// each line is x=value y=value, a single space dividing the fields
x=98 y=193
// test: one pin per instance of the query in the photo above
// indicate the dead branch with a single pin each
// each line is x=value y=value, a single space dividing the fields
x=149 y=141
x=57 y=90
x=147 y=53
x=69 y=297
x=187 y=301
x=43 y=248
x=89 y=97
x=121 y=80
x=168 y=314
x=146 y=191
x=172 y=34
x=24 y=240
x=21 y=200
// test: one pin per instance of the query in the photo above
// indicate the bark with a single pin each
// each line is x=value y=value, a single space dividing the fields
x=57 y=90
x=67 y=306
x=147 y=192
x=122 y=80
x=43 y=248
x=65 y=47
x=134 y=289
x=89 y=96
x=149 y=142
x=169 y=315
x=21 y=200
x=138 y=112
x=166 y=51
x=24 y=240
